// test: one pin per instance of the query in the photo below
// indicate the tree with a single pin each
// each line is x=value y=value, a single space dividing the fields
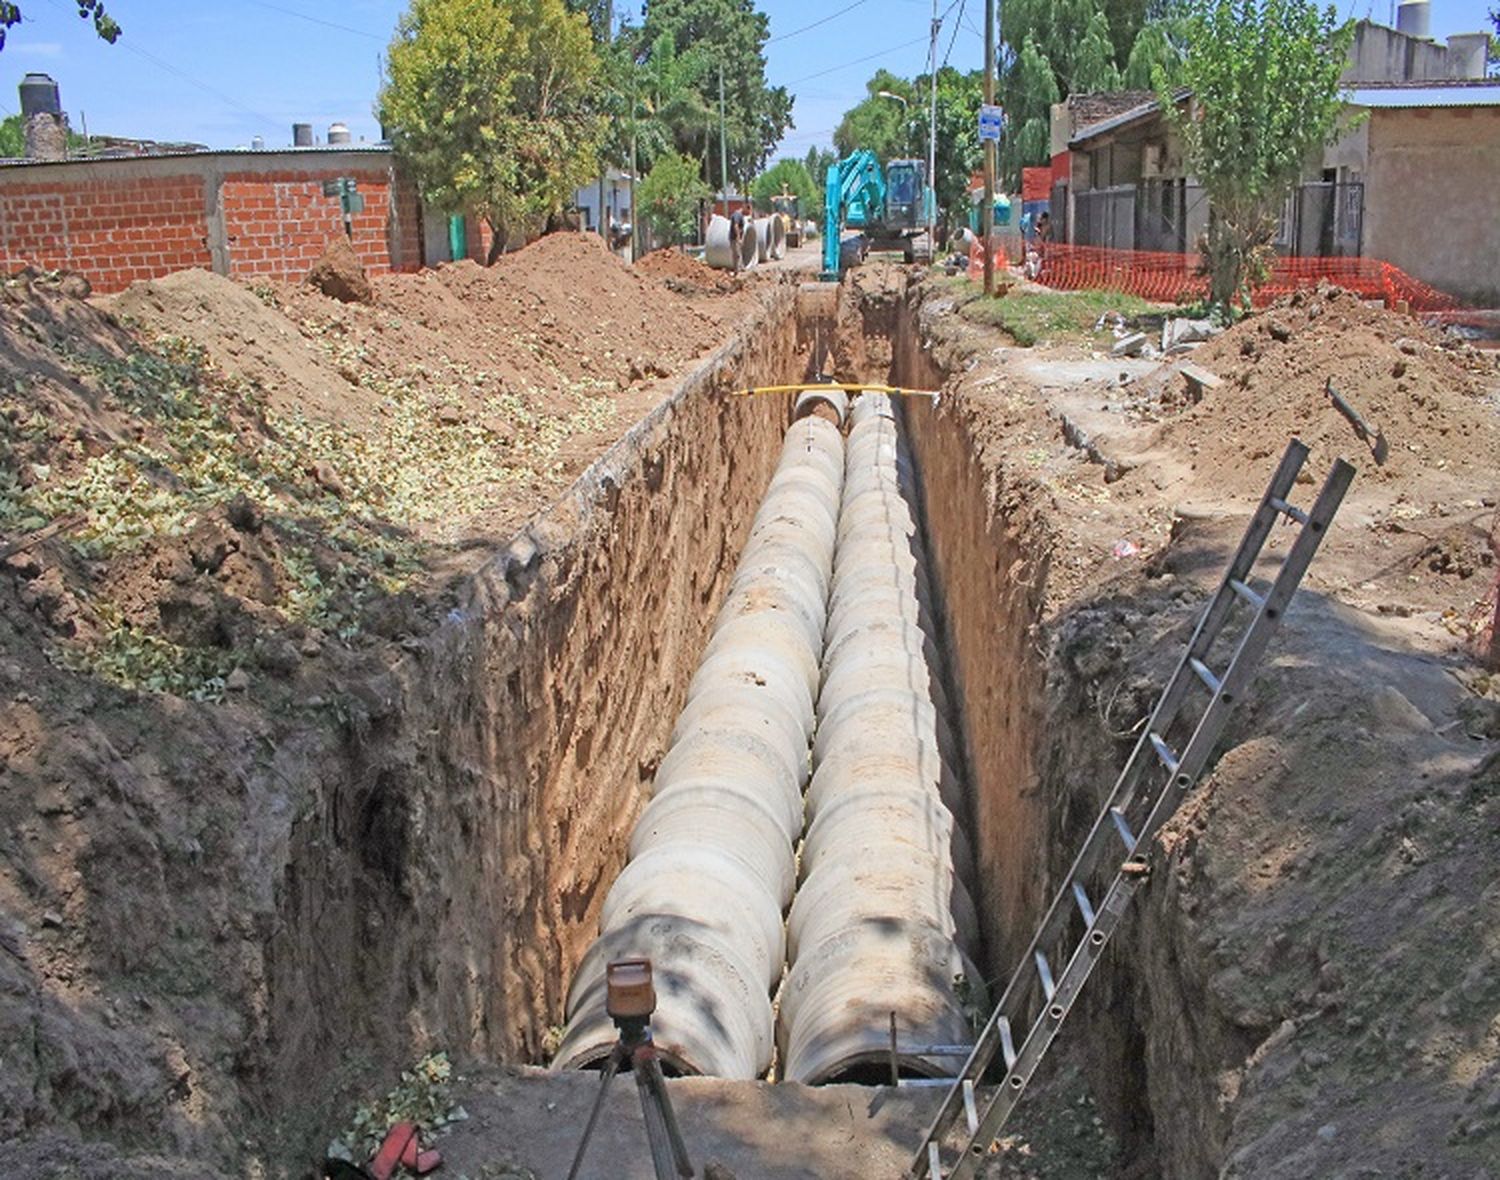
x=730 y=34
x=104 y=24
x=958 y=153
x=669 y=196
x=1493 y=60
x=883 y=125
x=1054 y=48
x=792 y=176
x=1264 y=76
x=487 y=102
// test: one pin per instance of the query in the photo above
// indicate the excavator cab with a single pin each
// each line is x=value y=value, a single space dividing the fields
x=905 y=194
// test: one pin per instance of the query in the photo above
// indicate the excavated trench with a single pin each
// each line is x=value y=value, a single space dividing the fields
x=572 y=754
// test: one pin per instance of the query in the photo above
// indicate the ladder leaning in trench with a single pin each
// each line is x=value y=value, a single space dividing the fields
x=1077 y=927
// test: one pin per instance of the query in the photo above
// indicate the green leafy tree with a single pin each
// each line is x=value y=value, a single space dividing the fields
x=958 y=153
x=669 y=197
x=883 y=125
x=730 y=35
x=488 y=101
x=791 y=176
x=1264 y=75
x=104 y=24
x=1054 y=48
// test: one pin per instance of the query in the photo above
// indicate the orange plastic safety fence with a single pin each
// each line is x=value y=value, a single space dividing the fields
x=1175 y=278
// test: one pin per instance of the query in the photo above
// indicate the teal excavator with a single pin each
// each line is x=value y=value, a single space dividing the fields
x=889 y=209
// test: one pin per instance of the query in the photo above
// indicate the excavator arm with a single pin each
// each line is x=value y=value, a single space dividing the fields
x=853 y=195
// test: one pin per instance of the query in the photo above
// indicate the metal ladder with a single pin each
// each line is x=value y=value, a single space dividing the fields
x=1150 y=787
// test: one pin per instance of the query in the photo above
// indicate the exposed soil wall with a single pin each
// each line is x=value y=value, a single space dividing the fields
x=990 y=554
x=448 y=877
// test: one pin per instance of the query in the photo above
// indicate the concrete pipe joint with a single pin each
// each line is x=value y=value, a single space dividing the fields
x=712 y=863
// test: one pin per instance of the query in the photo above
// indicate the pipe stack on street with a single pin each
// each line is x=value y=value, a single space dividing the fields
x=713 y=855
x=882 y=921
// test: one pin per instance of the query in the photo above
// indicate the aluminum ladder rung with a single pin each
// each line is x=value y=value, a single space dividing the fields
x=1205 y=674
x=1145 y=796
x=1080 y=895
x=971 y=1111
x=1288 y=509
x=1244 y=591
x=1007 y=1043
x=1044 y=969
x=1168 y=756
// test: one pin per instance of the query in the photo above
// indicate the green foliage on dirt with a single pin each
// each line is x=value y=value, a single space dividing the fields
x=1032 y=317
x=422 y=1095
x=339 y=506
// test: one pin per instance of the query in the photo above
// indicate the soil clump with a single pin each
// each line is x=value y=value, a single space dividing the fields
x=340 y=275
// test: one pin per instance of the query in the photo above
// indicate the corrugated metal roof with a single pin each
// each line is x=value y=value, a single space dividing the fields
x=1483 y=95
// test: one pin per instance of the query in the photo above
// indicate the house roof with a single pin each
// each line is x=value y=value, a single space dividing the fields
x=1476 y=93
x=1138 y=113
x=1467 y=92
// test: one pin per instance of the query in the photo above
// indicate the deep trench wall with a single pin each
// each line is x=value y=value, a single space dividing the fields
x=449 y=876
x=990 y=554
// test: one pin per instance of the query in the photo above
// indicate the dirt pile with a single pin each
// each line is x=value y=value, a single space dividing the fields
x=682 y=273
x=1433 y=401
x=340 y=275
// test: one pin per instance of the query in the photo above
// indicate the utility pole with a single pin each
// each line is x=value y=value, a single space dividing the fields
x=931 y=201
x=724 y=145
x=987 y=220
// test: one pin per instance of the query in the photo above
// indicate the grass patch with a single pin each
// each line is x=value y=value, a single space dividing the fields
x=1033 y=316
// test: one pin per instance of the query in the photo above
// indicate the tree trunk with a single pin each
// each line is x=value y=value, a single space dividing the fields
x=1237 y=250
x=499 y=235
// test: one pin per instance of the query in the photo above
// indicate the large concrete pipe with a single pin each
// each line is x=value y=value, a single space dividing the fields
x=765 y=240
x=883 y=922
x=749 y=246
x=718 y=250
x=712 y=863
x=778 y=238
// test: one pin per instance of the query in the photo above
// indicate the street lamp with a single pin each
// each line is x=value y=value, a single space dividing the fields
x=906 y=108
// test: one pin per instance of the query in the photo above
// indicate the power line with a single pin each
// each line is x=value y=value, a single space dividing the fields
x=956 y=26
x=816 y=23
x=203 y=86
x=317 y=20
x=858 y=61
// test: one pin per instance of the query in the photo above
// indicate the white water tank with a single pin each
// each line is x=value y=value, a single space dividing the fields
x=1414 y=18
x=338 y=133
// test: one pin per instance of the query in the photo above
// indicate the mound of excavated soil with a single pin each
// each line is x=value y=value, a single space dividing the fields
x=340 y=275
x=1428 y=399
x=675 y=267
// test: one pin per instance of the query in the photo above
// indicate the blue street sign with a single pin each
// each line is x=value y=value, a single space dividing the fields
x=991 y=120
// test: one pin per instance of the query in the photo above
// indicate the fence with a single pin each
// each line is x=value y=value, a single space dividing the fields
x=1174 y=277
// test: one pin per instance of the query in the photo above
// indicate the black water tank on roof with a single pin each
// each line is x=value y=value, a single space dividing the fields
x=39 y=96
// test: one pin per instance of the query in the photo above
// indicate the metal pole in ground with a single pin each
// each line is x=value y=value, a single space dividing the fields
x=931 y=201
x=987 y=221
x=723 y=147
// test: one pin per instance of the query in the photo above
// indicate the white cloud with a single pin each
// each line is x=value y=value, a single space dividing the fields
x=33 y=48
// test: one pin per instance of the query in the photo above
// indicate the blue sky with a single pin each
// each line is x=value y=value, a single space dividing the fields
x=222 y=71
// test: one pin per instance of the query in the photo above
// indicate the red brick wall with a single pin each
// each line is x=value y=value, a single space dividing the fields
x=112 y=231
x=245 y=215
x=278 y=223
